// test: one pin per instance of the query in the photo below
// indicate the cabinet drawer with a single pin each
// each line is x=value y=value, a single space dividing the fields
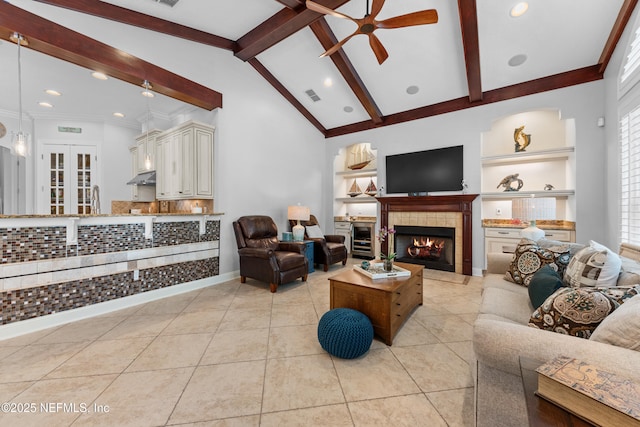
x=509 y=233
x=562 y=235
x=342 y=225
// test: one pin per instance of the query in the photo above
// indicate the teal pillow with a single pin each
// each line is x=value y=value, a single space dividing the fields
x=543 y=283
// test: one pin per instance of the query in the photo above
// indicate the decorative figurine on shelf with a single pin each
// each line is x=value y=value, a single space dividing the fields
x=521 y=139
x=510 y=179
x=465 y=186
x=387 y=260
x=548 y=187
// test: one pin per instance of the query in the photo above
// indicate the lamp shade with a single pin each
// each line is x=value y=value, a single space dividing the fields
x=298 y=213
x=531 y=209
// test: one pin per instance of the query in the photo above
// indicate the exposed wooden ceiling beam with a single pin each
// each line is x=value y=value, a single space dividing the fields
x=326 y=37
x=616 y=32
x=557 y=81
x=127 y=16
x=292 y=4
x=469 y=27
x=277 y=28
x=62 y=43
x=257 y=65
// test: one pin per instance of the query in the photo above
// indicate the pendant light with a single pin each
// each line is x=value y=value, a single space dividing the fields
x=147 y=94
x=20 y=140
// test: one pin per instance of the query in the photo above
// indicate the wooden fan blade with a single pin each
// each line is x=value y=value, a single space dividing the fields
x=316 y=7
x=337 y=46
x=376 y=7
x=378 y=49
x=416 y=18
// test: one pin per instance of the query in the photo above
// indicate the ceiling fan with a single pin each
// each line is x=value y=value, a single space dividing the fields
x=368 y=24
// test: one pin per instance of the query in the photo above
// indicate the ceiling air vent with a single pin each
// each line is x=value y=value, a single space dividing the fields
x=314 y=96
x=167 y=2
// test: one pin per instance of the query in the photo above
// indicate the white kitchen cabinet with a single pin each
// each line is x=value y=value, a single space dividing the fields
x=505 y=240
x=146 y=145
x=185 y=162
x=134 y=170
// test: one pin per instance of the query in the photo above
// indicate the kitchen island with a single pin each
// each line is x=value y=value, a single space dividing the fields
x=58 y=268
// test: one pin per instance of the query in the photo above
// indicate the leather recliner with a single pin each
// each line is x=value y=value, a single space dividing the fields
x=263 y=257
x=328 y=250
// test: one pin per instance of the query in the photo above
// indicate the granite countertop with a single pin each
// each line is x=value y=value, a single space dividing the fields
x=543 y=224
x=354 y=219
x=40 y=216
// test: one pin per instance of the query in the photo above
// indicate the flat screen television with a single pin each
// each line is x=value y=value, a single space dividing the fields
x=425 y=171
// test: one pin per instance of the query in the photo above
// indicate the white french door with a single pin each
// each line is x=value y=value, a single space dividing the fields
x=67 y=175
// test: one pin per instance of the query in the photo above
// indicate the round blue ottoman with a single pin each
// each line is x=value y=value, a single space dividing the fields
x=345 y=333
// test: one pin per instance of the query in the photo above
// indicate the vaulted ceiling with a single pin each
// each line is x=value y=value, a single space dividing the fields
x=464 y=60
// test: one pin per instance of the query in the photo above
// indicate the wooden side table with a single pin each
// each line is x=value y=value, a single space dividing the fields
x=386 y=302
x=308 y=253
x=541 y=412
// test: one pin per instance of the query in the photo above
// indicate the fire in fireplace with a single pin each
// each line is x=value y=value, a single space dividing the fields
x=433 y=247
x=426 y=248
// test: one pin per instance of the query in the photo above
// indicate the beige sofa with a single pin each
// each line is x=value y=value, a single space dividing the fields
x=502 y=337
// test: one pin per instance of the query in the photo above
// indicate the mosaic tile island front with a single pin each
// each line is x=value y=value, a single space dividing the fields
x=54 y=264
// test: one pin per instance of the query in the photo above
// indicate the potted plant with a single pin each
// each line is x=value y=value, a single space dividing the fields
x=387 y=260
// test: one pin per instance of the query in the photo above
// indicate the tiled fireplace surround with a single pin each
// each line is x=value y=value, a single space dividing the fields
x=435 y=211
x=60 y=264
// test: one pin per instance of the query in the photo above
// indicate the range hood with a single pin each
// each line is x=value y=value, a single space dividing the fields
x=145 y=178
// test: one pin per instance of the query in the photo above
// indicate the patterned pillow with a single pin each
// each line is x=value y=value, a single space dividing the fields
x=585 y=267
x=529 y=257
x=578 y=311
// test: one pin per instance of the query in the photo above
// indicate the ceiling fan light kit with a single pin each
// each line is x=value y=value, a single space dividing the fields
x=368 y=24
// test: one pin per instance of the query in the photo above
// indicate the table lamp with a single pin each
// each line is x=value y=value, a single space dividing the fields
x=531 y=209
x=299 y=213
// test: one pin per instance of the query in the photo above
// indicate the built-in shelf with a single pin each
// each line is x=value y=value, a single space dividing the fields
x=502 y=195
x=357 y=173
x=357 y=199
x=529 y=157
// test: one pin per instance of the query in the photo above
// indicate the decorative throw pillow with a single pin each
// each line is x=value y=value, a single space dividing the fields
x=573 y=311
x=543 y=284
x=611 y=270
x=622 y=327
x=529 y=257
x=314 y=232
x=585 y=267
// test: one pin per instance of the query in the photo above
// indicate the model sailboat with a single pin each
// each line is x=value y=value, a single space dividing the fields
x=371 y=189
x=361 y=156
x=354 y=190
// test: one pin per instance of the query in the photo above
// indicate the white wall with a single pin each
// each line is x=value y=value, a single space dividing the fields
x=584 y=103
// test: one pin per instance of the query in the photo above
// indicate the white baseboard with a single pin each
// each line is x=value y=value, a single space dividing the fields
x=12 y=330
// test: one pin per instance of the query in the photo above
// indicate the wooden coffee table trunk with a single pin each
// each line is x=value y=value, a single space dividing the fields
x=387 y=302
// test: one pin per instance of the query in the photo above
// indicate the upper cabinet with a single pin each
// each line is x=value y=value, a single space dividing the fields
x=529 y=154
x=184 y=157
x=146 y=151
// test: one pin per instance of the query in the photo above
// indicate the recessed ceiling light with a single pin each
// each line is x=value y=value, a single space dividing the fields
x=52 y=92
x=517 y=60
x=98 y=75
x=412 y=90
x=118 y=115
x=348 y=109
x=45 y=104
x=519 y=9
x=328 y=82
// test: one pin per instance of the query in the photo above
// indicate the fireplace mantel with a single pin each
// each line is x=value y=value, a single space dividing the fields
x=453 y=203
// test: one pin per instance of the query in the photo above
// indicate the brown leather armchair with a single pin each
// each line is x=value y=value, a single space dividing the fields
x=263 y=257
x=328 y=250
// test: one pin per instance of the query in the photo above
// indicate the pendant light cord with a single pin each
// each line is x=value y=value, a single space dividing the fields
x=19 y=38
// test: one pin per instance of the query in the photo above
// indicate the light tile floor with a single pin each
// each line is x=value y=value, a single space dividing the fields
x=237 y=355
